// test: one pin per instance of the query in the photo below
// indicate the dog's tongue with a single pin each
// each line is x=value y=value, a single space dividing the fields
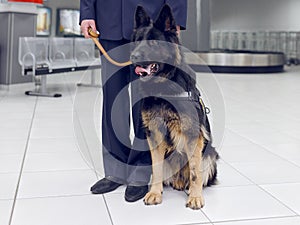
x=142 y=71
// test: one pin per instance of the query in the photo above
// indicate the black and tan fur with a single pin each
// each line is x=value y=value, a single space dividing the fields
x=177 y=128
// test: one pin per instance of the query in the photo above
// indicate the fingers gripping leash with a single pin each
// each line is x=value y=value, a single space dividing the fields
x=94 y=37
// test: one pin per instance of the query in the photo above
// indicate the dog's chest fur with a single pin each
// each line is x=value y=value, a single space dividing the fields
x=168 y=121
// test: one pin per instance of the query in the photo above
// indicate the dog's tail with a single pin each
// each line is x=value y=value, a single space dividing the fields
x=209 y=165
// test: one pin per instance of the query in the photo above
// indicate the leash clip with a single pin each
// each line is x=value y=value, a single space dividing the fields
x=207 y=110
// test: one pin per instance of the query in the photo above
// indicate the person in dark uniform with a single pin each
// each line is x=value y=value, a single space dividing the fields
x=124 y=162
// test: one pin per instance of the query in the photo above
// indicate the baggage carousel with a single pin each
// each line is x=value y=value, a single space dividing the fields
x=236 y=61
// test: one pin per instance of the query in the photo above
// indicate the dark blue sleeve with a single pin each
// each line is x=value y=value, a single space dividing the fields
x=87 y=9
x=179 y=8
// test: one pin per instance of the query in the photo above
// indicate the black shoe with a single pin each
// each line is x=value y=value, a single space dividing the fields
x=134 y=193
x=104 y=186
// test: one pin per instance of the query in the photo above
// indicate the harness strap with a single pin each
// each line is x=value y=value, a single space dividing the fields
x=187 y=95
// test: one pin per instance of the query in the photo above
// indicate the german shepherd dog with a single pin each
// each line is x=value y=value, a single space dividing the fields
x=173 y=114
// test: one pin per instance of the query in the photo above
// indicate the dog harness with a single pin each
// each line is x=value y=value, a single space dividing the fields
x=187 y=96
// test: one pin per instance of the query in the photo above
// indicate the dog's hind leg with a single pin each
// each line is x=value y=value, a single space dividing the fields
x=157 y=148
x=180 y=180
x=209 y=165
x=179 y=170
x=194 y=152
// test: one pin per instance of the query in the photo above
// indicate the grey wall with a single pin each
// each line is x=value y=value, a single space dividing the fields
x=255 y=15
x=197 y=35
x=13 y=26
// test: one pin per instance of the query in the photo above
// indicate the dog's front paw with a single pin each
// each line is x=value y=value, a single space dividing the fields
x=153 y=198
x=195 y=202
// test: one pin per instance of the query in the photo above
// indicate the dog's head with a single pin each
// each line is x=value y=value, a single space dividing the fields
x=155 y=48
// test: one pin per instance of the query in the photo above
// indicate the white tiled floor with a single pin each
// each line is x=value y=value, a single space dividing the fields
x=47 y=146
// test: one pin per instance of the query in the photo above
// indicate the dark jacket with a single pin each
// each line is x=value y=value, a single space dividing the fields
x=115 y=18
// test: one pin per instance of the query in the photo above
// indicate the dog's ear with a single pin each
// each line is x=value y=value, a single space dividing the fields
x=165 y=20
x=141 y=18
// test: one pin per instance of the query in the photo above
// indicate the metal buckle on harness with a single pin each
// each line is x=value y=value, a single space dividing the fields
x=193 y=97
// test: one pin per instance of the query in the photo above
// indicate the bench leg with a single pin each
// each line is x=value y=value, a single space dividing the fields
x=42 y=90
x=93 y=81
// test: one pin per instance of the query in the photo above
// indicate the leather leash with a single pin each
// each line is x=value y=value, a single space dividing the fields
x=94 y=37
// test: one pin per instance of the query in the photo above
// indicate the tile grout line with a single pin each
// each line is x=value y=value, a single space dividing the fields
x=22 y=164
x=75 y=114
x=239 y=172
x=266 y=148
x=201 y=223
x=108 y=211
x=255 y=219
x=87 y=146
x=207 y=217
x=255 y=184
x=288 y=207
x=55 y=196
x=259 y=187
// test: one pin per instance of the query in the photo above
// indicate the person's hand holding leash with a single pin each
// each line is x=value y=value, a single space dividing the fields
x=89 y=30
x=85 y=25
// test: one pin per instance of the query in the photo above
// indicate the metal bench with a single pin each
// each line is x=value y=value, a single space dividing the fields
x=40 y=57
